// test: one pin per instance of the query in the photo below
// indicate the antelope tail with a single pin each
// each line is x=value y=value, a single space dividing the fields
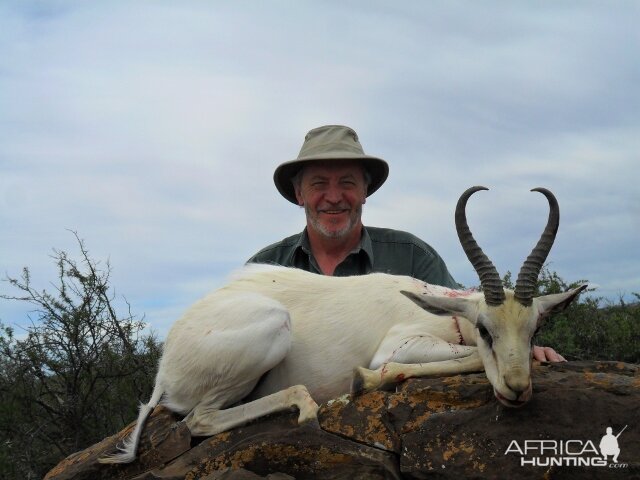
x=128 y=448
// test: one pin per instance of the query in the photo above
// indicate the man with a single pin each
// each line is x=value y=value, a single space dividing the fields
x=332 y=178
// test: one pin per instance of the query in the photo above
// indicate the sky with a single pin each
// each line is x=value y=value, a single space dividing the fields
x=152 y=129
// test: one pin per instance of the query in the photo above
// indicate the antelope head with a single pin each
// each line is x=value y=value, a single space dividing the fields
x=505 y=320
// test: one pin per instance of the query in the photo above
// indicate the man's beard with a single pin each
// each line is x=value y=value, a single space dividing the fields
x=354 y=217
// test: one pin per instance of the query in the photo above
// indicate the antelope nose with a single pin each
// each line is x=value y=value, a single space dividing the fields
x=517 y=387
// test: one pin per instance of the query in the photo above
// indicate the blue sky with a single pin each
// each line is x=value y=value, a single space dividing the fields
x=152 y=128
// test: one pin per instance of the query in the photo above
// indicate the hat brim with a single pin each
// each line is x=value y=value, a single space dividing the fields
x=378 y=170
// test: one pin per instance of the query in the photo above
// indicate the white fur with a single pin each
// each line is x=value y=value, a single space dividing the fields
x=272 y=328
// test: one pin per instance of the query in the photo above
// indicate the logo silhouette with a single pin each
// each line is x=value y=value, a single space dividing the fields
x=609 y=444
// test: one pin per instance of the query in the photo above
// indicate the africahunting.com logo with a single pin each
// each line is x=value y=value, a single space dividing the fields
x=569 y=453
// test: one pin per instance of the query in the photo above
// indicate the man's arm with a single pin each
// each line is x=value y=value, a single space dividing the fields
x=279 y=253
x=429 y=267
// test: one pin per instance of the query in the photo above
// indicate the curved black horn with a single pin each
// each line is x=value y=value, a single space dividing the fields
x=489 y=278
x=528 y=276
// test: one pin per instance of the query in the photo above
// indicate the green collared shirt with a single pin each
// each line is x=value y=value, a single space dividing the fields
x=380 y=250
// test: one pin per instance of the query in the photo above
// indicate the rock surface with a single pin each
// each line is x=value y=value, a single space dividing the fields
x=449 y=427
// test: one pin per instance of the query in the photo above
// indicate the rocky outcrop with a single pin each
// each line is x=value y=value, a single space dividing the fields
x=449 y=427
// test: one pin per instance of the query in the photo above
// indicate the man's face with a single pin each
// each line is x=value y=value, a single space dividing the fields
x=332 y=197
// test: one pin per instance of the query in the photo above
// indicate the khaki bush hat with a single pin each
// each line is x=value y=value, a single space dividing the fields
x=330 y=143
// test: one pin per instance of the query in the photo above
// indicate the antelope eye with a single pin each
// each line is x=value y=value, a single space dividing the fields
x=486 y=336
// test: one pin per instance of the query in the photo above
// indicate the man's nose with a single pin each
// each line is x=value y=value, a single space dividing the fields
x=333 y=194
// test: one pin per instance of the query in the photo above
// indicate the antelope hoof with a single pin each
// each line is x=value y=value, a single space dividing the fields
x=309 y=414
x=364 y=380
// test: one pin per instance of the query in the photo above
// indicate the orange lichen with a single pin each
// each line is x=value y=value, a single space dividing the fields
x=429 y=402
x=367 y=427
x=371 y=402
x=454 y=448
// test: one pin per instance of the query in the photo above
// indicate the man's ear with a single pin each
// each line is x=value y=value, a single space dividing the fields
x=299 y=196
x=555 y=303
x=444 y=305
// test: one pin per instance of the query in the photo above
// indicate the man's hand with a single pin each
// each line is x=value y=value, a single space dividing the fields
x=547 y=354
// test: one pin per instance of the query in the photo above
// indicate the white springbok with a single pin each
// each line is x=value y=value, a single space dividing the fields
x=275 y=338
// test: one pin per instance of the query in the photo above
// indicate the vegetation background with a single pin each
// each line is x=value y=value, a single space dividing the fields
x=81 y=370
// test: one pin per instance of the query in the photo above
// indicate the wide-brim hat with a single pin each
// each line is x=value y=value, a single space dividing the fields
x=330 y=143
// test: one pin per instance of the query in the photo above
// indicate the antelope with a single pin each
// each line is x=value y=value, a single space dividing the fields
x=274 y=338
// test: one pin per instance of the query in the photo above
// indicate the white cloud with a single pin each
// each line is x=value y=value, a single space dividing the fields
x=153 y=130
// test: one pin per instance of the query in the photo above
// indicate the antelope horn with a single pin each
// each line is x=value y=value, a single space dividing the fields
x=489 y=278
x=528 y=276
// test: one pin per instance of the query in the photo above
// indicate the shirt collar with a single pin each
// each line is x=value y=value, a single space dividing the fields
x=365 y=244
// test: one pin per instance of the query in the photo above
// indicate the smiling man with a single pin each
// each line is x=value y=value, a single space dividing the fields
x=332 y=197
x=331 y=179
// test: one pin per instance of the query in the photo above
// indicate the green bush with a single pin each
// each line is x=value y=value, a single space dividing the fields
x=78 y=374
x=591 y=328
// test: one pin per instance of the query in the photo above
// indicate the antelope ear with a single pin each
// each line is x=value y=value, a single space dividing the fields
x=443 y=305
x=555 y=303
